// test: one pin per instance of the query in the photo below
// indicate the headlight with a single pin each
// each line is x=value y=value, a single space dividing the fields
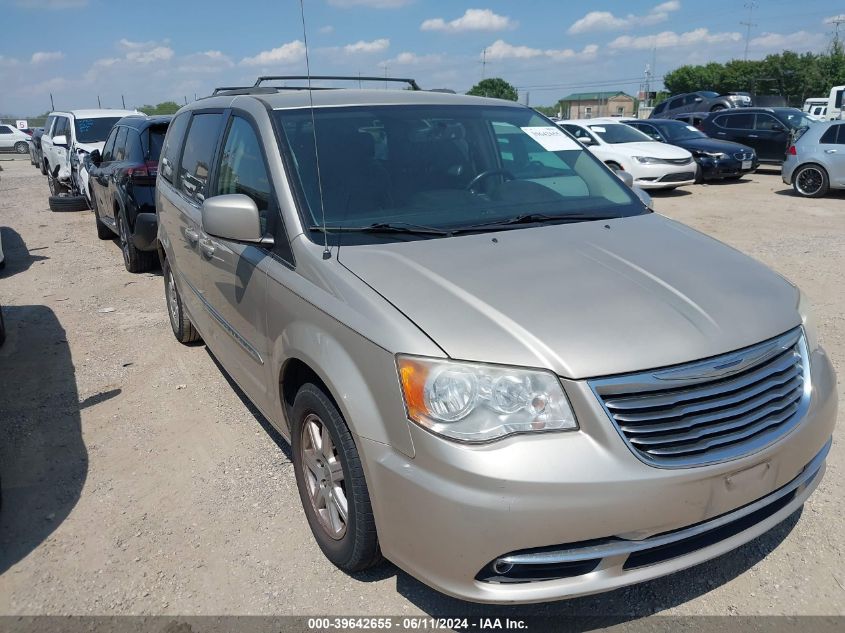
x=808 y=322
x=648 y=160
x=716 y=155
x=473 y=402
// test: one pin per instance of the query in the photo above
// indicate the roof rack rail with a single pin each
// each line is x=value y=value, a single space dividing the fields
x=411 y=82
x=227 y=88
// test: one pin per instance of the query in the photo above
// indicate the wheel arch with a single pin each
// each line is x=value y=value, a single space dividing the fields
x=809 y=163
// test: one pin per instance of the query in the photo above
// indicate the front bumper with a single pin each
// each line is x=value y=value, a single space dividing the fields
x=449 y=513
x=662 y=176
x=717 y=168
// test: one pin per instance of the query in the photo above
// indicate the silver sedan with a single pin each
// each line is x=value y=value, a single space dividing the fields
x=815 y=163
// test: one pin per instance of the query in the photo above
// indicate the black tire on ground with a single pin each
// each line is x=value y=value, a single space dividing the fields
x=2 y=328
x=22 y=147
x=183 y=329
x=811 y=181
x=135 y=261
x=66 y=202
x=43 y=167
x=358 y=547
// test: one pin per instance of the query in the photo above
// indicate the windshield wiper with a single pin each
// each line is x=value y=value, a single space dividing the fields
x=385 y=227
x=532 y=218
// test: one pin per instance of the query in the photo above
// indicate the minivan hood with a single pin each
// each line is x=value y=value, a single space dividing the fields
x=584 y=300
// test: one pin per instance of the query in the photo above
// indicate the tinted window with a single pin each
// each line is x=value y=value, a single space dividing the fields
x=618 y=133
x=739 y=121
x=830 y=135
x=62 y=126
x=676 y=103
x=108 y=150
x=242 y=168
x=690 y=99
x=767 y=123
x=660 y=107
x=154 y=140
x=49 y=124
x=172 y=145
x=134 y=151
x=94 y=130
x=5 y=129
x=578 y=132
x=120 y=144
x=196 y=160
x=838 y=99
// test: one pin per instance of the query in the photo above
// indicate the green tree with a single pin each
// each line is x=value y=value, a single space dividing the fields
x=165 y=107
x=496 y=88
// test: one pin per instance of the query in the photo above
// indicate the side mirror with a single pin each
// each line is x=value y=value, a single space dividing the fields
x=587 y=140
x=625 y=177
x=233 y=217
x=60 y=140
x=96 y=158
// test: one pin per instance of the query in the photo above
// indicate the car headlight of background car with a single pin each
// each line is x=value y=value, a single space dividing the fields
x=716 y=155
x=649 y=160
x=473 y=402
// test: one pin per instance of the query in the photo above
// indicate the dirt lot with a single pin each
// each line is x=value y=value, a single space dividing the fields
x=137 y=480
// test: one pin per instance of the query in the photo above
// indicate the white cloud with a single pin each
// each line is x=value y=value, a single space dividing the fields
x=327 y=29
x=800 y=40
x=204 y=62
x=670 y=39
x=412 y=59
x=148 y=56
x=41 y=57
x=376 y=46
x=607 y=21
x=51 y=4
x=6 y=62
x=471 y=20
x=372 y=4
x=502 y=50
x=834 y=18
x=285 y=54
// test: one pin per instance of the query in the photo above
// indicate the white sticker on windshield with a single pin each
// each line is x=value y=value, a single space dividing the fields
x=692 y=129
x=598 y=128
x=551 y=138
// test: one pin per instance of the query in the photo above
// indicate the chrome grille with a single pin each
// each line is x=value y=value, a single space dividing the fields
x=744 y=156
x=677 y=161
x=714 y=410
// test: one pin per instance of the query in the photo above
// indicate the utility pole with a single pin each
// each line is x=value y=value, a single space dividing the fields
x=836 y=21
x=52 y=105
x=750 y=5
x=483 y=64
x=99 y=105
x=123 y=101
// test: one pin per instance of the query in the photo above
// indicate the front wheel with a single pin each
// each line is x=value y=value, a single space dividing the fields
x=811 y=181
x=22 y=147
x=331 y=482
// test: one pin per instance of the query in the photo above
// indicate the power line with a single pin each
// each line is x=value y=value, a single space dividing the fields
x=751 y=5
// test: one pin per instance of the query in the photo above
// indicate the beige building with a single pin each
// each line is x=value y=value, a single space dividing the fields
x=589 y=105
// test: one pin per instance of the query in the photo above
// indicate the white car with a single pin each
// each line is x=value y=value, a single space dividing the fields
x=68 y=136
x=652 y=165
x=12 y=138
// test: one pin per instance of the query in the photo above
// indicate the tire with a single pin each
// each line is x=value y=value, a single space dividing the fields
x=811 y=181
x=67 y=202
x=103 y=231
x=2 y=328
x=717 y=108
x=43 y=167
x=183 y=329
x=331 y=479
x=135 y=261
x=53 y=183
x=21 y=147
x=614 y=165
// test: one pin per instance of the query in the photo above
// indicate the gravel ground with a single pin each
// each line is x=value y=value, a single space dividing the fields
x=138 y=481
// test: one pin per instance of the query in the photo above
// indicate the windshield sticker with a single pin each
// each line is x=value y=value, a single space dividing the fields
x=692 y=129
x=596 y=128
x=551 y=138
x=84 y=124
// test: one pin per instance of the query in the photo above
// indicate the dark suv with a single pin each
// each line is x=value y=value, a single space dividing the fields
x=122 y=182
x=701 y=101
x=769 y=131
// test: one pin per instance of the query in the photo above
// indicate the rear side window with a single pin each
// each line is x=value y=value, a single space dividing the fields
x=120 y=144
x=830 y=136
x=4 y=129
x=172 y=146
x=660 y=108
x=154 y=141
x=195 y=166
x=134 y=151
x=690 y=99
x=740 y=121
x=676 y=103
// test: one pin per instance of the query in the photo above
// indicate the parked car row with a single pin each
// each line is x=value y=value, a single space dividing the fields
x=11 y=138
x=464 y=323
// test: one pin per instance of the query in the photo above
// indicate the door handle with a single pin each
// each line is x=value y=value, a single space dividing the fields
x=207 y=248
x=192 y=236
x=830 y=151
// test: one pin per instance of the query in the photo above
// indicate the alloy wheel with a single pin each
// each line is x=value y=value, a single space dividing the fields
x=809 y=181
x=324 y=477
x=172 y=300
x=124 y=238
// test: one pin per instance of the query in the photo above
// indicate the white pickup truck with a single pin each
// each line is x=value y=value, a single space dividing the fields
x=69 y=135
x=834 y=104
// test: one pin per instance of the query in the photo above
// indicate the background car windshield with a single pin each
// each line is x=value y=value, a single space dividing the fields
x=94 y=130
x=797 y=119
x=681 y=132
x=445 y=167
x=707 y=94
x=618 y=133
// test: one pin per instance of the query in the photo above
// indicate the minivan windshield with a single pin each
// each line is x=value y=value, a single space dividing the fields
x=94 y=130
x=434 y=170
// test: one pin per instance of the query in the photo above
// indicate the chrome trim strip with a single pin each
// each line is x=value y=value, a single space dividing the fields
x=649 y=381
x=802 y=484
x=240 y=340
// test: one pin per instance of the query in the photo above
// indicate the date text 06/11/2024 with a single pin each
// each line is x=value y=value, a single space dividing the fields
x=417 y=623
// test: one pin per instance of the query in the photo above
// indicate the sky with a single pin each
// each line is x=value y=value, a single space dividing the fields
x=151 y=51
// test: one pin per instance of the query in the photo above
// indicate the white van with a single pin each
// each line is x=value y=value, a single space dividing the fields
x=834 y=103
x=816 y=108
